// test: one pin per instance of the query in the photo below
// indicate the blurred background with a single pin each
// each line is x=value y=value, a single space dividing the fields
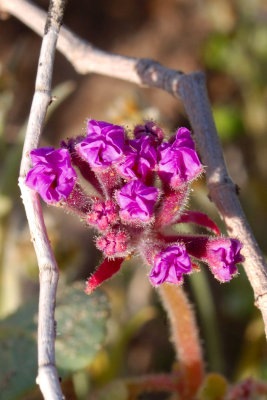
x=227 y=39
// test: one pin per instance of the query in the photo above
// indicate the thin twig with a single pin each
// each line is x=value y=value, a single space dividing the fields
x=86 y=58
x=48 y=269
x=192 y=89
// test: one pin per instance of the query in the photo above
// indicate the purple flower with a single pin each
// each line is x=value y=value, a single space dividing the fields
x=137 y=201
x=139 y=160
x=222 y=256
x=183 y=139
x=52 y=175
x=170 y=265
x=103 y=145
x=179 y=162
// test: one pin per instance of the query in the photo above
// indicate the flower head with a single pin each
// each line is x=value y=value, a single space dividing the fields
x=137 y=201
x=179 y=162
x=170 y=265
x=129 y=210
x=52 y=175
x=222 y=255
x=103 y=145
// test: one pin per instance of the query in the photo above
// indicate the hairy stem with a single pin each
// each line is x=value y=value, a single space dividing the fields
x=184 y=335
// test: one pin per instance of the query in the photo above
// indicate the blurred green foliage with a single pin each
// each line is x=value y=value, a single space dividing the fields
x=240 y=51
x=81 y=329
x=229 y=122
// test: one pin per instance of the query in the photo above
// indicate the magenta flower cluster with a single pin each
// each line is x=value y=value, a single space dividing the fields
x=132 y=211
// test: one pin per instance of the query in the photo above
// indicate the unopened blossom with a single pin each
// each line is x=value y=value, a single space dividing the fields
x=137 y=201
x=140 y=158
x=170 y=265
x=149 y=129
x=178 y=161
x=52 y=175
x=114 y=243
x=103 y=214
x=103 y=145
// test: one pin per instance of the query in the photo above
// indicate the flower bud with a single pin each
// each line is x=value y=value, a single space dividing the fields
x=151 y=130
x=103 y=214
x=114 y=243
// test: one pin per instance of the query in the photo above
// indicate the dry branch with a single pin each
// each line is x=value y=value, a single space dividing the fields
x=86 y=58
x=191 y=89
x=223 y=192
x=48 y=269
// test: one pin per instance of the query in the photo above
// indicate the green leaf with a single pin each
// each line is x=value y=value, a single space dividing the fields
x=18 y=364
x=216 y=51
x=18 y=361
x=81 y=330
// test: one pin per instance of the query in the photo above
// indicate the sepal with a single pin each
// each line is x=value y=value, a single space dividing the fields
x=106 y=270
x=171 y=206
x=199 y=218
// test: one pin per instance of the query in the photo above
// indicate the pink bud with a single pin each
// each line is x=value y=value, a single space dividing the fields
x=114 y=243
x=103 y=214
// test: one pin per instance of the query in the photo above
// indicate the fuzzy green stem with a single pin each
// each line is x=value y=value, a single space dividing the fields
x=185 y=338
